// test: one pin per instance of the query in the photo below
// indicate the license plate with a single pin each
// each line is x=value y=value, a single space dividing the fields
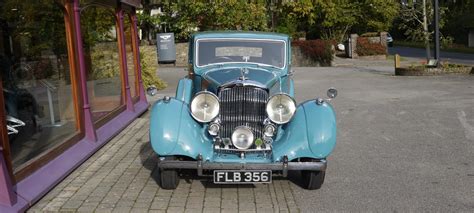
x=237 y=176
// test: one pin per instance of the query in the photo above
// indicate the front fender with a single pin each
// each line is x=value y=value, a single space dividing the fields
x=173 y=131
x=184 y=90
x=310 y=134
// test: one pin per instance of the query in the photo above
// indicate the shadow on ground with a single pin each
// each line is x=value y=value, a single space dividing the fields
x=149 y=160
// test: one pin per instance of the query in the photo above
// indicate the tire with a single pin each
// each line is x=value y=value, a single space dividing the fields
x=312 y=180
x=169 y=178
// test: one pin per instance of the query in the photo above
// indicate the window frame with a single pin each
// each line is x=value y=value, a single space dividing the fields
x=33 y=164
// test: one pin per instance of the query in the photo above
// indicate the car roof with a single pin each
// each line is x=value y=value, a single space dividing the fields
x=240 y=34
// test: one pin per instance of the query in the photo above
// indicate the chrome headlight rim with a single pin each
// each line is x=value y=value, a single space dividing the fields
x=293 y=113
x=250 y=134
x=193 y=113
x=267 y=127
x=214 y=128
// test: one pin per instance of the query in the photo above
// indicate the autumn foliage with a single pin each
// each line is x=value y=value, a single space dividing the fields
x=365 y=47
x=318 y=50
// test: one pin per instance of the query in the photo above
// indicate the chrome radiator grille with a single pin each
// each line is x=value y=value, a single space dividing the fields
x=242 y=106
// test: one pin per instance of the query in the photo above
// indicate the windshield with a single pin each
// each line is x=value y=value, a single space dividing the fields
x=220 y=51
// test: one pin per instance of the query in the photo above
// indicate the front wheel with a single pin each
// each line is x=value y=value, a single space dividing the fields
x=312 y=180
x=169 y=178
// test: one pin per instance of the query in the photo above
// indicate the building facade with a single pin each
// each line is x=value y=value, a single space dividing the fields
x=70 y=81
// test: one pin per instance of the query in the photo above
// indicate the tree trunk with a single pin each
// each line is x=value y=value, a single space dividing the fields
x=145 y=27
x=425 y=32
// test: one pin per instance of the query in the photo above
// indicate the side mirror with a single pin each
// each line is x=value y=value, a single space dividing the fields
x=332 y=93
x=152 y=90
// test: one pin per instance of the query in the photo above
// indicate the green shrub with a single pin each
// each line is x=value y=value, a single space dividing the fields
x=149 y=66
x=318 y=50
x=366 y=48
x=104 y=58
x=370 y=34
x=446 y=41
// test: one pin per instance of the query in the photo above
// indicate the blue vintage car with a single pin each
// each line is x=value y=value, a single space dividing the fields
x=234 y=116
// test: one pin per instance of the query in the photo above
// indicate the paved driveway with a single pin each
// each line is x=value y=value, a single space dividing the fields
x=404 y=144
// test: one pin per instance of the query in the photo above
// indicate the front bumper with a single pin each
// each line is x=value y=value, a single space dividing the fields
x=284 y=166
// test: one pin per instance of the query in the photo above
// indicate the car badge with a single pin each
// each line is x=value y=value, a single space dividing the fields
x=165 y=37
x=243 y=72
x=258 y=142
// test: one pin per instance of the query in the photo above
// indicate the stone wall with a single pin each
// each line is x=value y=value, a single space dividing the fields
x=382 y=39
x=298 y=59
x=426 y=71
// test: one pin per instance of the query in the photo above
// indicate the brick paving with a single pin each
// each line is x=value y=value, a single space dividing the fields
x=118 y=178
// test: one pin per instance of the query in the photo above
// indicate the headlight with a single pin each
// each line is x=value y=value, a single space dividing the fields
x=280 y=108
x=242 y=137
x=204 y=107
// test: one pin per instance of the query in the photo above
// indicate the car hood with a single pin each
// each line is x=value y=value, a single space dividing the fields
x=224 y=76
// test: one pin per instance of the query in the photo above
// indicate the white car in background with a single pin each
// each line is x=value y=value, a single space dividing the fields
x=389 y=40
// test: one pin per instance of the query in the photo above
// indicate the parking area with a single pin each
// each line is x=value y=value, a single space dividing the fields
x=118 y=178
x=404 y=144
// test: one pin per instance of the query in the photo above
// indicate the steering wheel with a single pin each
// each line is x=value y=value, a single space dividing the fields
x=222 y=59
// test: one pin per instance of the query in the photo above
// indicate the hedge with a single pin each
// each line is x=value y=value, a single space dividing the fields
x=318 y=50
x=366 y=48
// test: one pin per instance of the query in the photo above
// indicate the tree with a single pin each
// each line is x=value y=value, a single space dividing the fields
x=376 y=15
x=186 y=17
x=40 y=24
x=416 y=18
x=147 y=23
x=460 y=19
x=145 y=19
x=295 y=17
x=335 y=18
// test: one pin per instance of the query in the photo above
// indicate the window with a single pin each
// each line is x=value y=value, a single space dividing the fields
x=38 y=91
x=234 y=50
x=101 y=53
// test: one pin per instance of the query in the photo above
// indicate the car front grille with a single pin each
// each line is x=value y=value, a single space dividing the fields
x=242 y=106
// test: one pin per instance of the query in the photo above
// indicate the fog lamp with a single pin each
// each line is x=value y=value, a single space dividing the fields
x=213 y=129
x=242 y=137
x=269 y=130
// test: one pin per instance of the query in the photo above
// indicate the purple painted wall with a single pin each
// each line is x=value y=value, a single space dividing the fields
x=35 y=186
x=25 y=193
x=7 y=196
x=88 y=124
x=128 y=96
